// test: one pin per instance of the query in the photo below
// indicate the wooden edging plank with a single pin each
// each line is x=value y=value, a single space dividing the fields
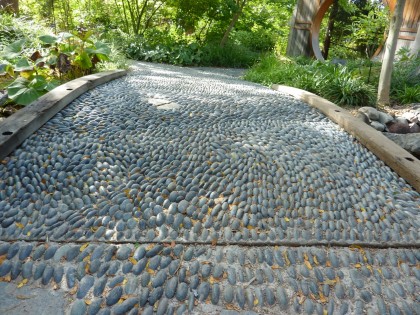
x=19 y=126
x=398 y=159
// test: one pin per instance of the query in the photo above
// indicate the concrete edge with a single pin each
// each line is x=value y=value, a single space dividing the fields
x=19 y=126
x=398 y=159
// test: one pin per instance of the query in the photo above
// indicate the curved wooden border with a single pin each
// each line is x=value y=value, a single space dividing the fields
x=401 y=161
x=16 y=128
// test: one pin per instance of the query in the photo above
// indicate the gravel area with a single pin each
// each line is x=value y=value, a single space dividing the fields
x=178 y=189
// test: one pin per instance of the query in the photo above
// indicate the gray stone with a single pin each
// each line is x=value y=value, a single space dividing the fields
x=377 y=125
x=371 y=112
x=409 y=142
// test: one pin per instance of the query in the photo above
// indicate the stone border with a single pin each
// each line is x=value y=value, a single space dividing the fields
x=401 y=161
x=19 y=126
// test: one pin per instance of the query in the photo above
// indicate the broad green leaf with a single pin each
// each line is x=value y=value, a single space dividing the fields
x=64 y=36
x=99 y=48
x=6 y=68
x=20 y=92
x=51 y=60
x=13 y=50
x=23 y=65
x=52 y=85
x=48 y=39
x=38 y=83
x=83 y=61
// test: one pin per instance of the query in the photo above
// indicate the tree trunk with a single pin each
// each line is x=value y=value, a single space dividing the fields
x=235 y=19
x=389 y=55
x=330 y=29
x=11 y=6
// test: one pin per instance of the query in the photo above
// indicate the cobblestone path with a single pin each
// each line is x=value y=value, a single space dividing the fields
x=174 y=191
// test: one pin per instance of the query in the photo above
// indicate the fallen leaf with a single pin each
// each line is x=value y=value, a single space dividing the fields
x=308 y=264
x=358 y=265
x=286 y=219
x=19 y=225
x=274 y=267
x=316 y=260
x=214 y=242
x=256 y=302
x=2 y=258
x=28 y=234
x=305 y=257
x=83 y=247
x=132 y=260
x=88 y=302
x=328 y=263
x=173 y=244
x=330 y=282
x=73 y=290
x=22 y=283
x=322 y=298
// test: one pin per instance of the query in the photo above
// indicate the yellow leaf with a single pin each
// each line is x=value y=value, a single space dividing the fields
x=380 y=271
x=120 y=301
x=325 y=312
x=305 y=257
x=151 y=271
x=125 y=281
x=74 y=290
x=274 y=267
x=28 y=234
x=330 y=282
x=328 y=263
x=286 y=219
x=316 y=260
x=22 y=283
x=256 y=302
x=286 y=258
x=308 y=264
x=84 y=247
x=19 y=225
x=87 y=258
x=358 y=265
x=213 y=242
x=322 y=298
x=7 y=278
x=88 y=302
x=132 y=260
x=2 y=258
x=369 y=267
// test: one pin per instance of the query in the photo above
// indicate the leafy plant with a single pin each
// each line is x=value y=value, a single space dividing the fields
x=64 y=56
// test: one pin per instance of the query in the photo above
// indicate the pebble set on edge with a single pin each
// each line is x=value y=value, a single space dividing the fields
x=175 y=190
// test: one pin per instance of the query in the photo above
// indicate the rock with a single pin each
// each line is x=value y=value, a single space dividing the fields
x=409 y=142
x=385 y=118
x=3 y=98
x=414 y=128
x=377 y=125
x=363 y=117
x=371 y=112
x=412 y=116
x=399 y=125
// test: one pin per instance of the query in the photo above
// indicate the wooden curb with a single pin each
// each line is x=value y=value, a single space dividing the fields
x=16 y=128
x=398 y=159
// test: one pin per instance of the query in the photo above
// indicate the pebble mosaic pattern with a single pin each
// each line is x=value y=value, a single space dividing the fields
x=169 y=157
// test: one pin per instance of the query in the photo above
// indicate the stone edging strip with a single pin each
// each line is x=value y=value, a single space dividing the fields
x=16 y=128
x=401 y=161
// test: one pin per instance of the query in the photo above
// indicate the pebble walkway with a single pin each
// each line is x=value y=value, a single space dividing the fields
x=175 y=191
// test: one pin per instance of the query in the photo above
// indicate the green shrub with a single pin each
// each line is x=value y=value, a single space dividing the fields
x=405 y=83
x=339 y=84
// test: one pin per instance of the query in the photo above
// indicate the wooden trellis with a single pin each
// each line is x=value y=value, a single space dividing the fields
x=307 y=18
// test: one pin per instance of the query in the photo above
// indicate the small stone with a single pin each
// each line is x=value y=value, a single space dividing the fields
x=84 y=286
x=155 y=295
x=123 y=253
x=78 y=308
x=125 y=306
x=215 y=294
x=162 y=307
x=182 y=291
x=113 y=296
x=171 y=287
x=228 y=294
